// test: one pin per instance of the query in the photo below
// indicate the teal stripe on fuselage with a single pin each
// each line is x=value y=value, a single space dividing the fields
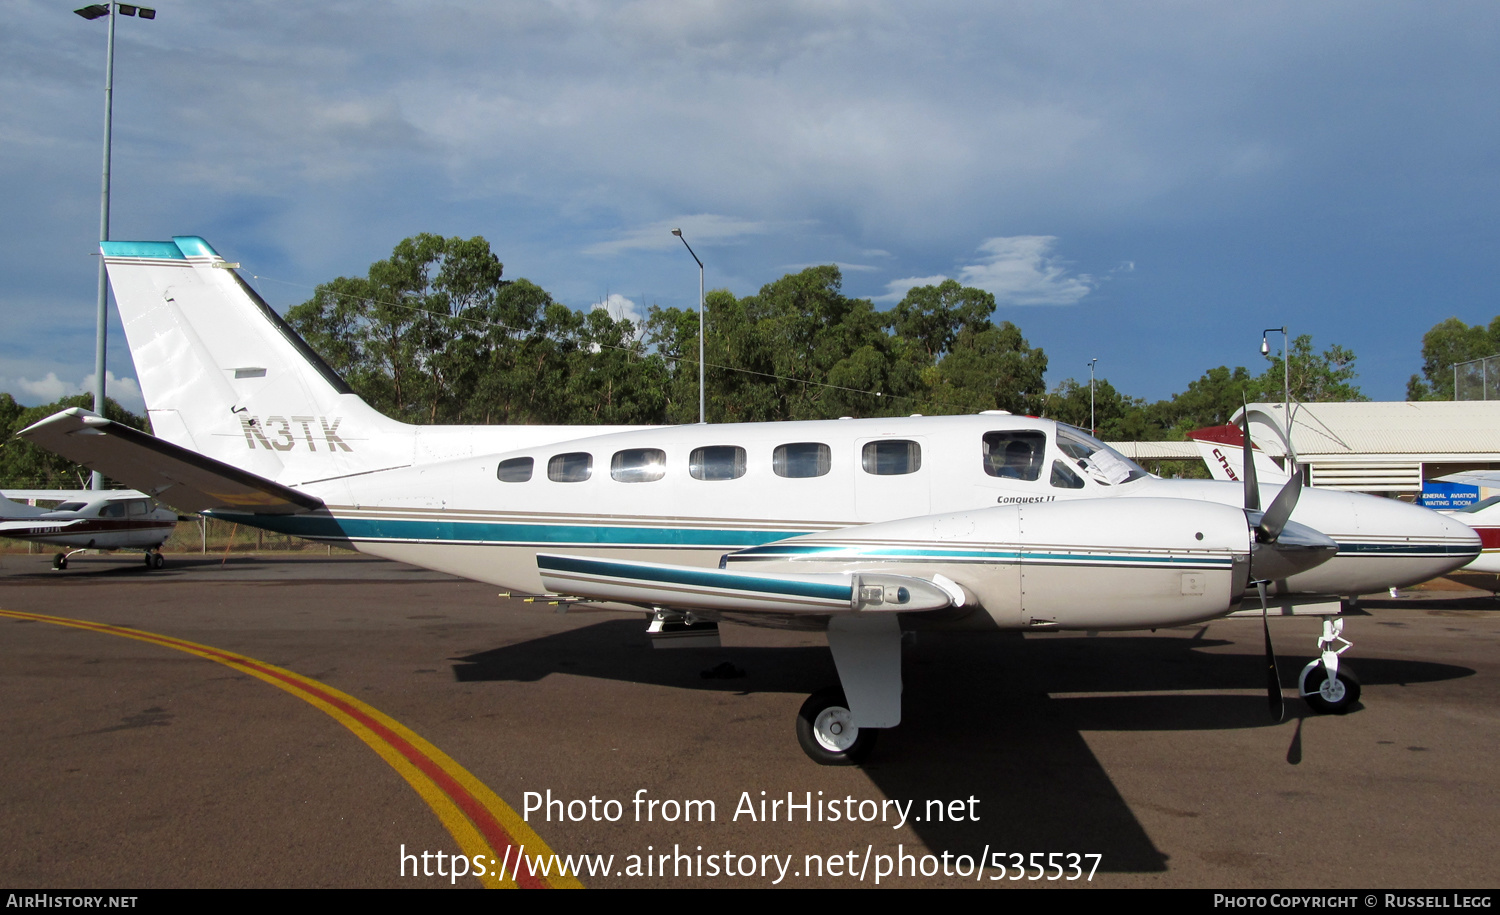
x=729 y=581
x=793 y=551
x=426 y=531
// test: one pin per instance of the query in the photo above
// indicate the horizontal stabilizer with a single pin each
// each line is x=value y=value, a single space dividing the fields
x=10 y=510
x=179 y=477
x=692 y=588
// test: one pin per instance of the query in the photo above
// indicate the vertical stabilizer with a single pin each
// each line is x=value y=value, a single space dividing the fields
x=222 y=374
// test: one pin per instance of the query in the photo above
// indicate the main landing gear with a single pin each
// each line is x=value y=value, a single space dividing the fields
x=154 y=559
x=836 y=726
x=1327 y=687
x=826 y=731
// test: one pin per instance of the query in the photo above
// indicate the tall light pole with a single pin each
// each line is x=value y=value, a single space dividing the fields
x=101 y=328
x=1286 y=373
x=702 y=412
x=1093 y=427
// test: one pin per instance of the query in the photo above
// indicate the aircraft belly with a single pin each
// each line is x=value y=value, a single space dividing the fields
x=1367 y=572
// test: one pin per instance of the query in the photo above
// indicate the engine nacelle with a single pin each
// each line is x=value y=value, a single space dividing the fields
x=1087 y=564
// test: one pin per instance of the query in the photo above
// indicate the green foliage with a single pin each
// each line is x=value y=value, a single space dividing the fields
x=1450 y=342
x=434 y=335
x=25 y=466
x=800 y=349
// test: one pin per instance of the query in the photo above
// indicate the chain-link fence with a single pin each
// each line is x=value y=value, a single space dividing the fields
x=1477 y=379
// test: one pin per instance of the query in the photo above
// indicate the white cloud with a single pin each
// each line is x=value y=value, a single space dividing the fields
x=45 y=390
x=31 y=393
x=623 y=309
x=896 y=290
x=1017 y=270
x=1021 y=270
x=701 y=230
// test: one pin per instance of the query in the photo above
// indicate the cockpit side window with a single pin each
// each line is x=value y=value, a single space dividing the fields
x=1063 y=478
x=1102 y=463
x=112 y=510
x=1014 y=455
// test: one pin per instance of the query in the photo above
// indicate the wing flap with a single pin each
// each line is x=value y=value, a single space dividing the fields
x=175 y=475
x=652 y=584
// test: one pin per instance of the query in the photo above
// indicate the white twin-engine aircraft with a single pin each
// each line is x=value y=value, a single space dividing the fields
x=863 y=527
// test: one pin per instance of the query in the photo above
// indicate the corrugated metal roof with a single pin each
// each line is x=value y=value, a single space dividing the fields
x=1464 y=427
x=1157 y=451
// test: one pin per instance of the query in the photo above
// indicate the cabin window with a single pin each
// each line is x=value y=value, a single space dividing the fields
x=573 y=467
x=69 y=507
x=1014 y=455
x=801 y=459
x=515 y=470
x=717 y=462
x=112 y=510
x=139 y=508
x=1064 y=478
x=891 y=457
x=638 y=465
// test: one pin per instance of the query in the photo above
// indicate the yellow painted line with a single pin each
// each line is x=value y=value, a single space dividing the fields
x=482 y=824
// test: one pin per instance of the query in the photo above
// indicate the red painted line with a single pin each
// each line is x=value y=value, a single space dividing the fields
x=477 y=813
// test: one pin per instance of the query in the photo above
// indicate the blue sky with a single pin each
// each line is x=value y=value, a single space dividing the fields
x=1146 y=183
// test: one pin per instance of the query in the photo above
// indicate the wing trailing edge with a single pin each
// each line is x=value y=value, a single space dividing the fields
x=173 y=474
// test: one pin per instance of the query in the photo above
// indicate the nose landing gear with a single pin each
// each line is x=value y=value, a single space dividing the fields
x=1324 y=685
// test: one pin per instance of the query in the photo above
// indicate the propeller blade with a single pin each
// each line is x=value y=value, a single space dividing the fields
x=1273 y=676
x=1274 y=520
x=1252 y=488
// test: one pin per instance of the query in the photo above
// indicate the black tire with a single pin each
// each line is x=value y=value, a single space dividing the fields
x=60 y=561
x=147 y=560
x=156 y=560
x=1336 y=701
x=823 y=730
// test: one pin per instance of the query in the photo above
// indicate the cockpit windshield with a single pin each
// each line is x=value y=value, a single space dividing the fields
x=1102 y=463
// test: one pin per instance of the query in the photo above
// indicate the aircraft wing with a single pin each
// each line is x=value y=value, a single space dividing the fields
x=175 y=475
x=1489 y=478
x=653 y=584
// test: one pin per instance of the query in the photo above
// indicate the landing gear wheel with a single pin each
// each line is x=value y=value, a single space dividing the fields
x=826 y=732
x=155 y=560
x=60 y=561
x=1326 y=698
x=147 y=559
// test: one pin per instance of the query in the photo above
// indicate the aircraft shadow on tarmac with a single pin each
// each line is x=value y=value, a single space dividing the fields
x=980 y=719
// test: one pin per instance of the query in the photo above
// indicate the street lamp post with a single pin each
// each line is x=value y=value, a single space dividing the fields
x=702 y=411
x=1286 y=372
x=101 y=328
x=1093 y=426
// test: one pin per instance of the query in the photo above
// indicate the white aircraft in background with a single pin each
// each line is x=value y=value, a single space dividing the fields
x=863 y=528
x=1221 y=448
x=87 y=519
x=1483 y=516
